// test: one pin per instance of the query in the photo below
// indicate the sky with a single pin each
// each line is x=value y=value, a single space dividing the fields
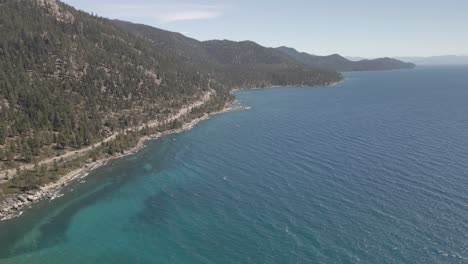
x=365 y=28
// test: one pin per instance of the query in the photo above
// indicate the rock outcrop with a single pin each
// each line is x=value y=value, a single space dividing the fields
x=53 y=7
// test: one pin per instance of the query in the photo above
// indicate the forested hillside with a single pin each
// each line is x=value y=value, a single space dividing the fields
x=243 y=64
x=248 y=53
x=70 y=80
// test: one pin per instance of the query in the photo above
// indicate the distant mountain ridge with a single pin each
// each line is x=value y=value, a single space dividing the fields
x=430 y=60
x=250 y=53
x=337 y=62
x=438 y=60
x=211 y=51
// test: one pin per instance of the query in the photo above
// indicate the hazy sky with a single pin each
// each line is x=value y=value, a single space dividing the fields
x=368 y=28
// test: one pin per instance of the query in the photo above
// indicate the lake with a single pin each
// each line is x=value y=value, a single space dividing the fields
x=372 y=170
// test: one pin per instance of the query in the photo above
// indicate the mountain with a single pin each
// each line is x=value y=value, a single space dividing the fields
x=212 y=51
x=355 y=58
x=176 y=44
x=438 y=60
x=227 y=52
x=74 y=75
x=76 y=89
x=336 y=62
x=243 y=64
x=72 y=82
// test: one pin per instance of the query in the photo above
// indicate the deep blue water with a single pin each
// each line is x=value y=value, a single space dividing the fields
x=373 y=170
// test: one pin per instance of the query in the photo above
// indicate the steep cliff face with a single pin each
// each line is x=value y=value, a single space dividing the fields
x=54 y=8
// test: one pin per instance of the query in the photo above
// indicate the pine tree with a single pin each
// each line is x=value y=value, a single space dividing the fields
x=55 y=166
x=2 y=155
x=3 y=134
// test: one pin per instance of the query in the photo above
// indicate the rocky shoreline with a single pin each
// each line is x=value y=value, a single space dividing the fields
x=14 y=205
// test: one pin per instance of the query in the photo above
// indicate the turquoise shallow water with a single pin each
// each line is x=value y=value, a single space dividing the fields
x=373 y=170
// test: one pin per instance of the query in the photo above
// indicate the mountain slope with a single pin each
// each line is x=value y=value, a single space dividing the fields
x=76 y=88
x=71 y=80
x=336 y=62
x=176 y=44
x=227 y=52
x=242 y=64
x=51 y=52
x=244 y=52
x=212 y=51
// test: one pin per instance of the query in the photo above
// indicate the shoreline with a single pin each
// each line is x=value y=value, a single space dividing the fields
x=14 y=206
x=332 y=84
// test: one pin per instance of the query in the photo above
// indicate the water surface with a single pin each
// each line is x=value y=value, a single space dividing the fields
x=373 y=170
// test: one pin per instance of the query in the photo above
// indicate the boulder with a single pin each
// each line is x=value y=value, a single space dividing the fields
x=32 y=198
x=22 y=198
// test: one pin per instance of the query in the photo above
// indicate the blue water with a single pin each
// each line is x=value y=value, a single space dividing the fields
x=373 y=170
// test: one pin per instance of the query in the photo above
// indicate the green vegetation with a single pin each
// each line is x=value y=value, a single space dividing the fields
x=243 y=64
x=336 y=62
x=71 y=81
x=68 y=84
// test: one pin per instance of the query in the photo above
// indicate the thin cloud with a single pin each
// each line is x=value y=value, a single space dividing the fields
x=160 y=12
x=189 y=15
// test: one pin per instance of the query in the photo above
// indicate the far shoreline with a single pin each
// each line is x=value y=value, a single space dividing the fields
x=289 y=86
